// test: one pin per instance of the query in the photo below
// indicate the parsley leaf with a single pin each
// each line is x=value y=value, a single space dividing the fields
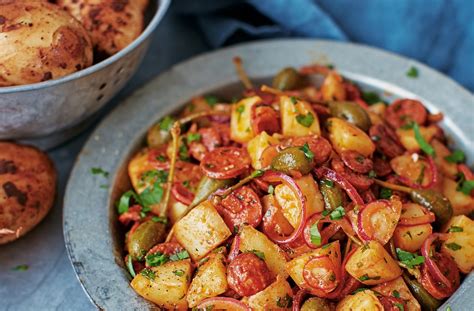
x=305 y=120
x=183 y=152
x=151 y=195
x=455 y=229
x=180 y=255
x=424 y=145
x=179 y=272
x=161 y=158
x=154 y=175
x=99 y=171
x=257 y=253
x=465 y=186
x=240 y=109
x=211 y=100
x=412 y=72
x=163 y=220
x=371 y=98
x=193 y=137
x=453 y=246
x=456 y=157
x=156 y=259
x=399 y=306
x=366 y=277
x=124 y=201
x=148 y=273
x=409 y=259
x=21 y=268
x=338 y=213
x=315 y=234
x=166 y=123
x=293 y=100
x=361 y=289
x=328 y=183
x=307 y=152
x=396 y=294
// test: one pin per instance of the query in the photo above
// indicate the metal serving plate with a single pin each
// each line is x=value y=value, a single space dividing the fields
x=93 y=237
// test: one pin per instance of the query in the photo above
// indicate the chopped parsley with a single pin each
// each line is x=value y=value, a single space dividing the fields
x=257 y=253
x=424 y=145
x=183 y=152
x=124 y=201
x=412 y=72
x=371 y=98
x=456 y=157
x=315 y=234
x=240 y=109
x=211 y=100
x=166 y=123
x=293 y=100
x=271 y=189
x=360 y=290
x=399 y=306
x=465 y=186
x=21 y=268
x=161 y=158
x=285 y=302
x=130 y=268
x=151 y=195
x=179 y=272
x=305 y=119
x=453 y=246
x=148 y=273
x=326 y=212
x=99 y=171
x=328 y=183
x=154 y=175
x=409 y=259
x=307 y=152
x=337 y=213
x=366 y=277
x=156 y=259
x=179 y=256
x=455 y=229
x=193 y=137
x=396 y=294
x=163 y=220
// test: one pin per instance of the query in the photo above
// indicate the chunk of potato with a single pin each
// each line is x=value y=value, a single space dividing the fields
x=371 y=264
x=333 y=87
x=136 y=167
x=295 y=267
x=461 y=232
x=288 y=200
x=345 y=136
x=176 y=210
x=447 y=168
x=398 y=285
x=277 y=296
x=462 y=204
x=256 y=146
x=411 y=238
x=362 y=301
x=166 y=285
x=414 y=169
x=408 y=140
x=252 y=239
x=202 y=230
x=317 y=304
x=292 y=112
x=209 y=281
x=240 y=119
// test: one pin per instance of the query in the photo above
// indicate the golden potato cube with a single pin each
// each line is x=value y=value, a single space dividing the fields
x=201 y=230
x=408 y=140
x=256 y=146
x=345 y=136
x=240 y=119
x=138 y=165
x=460 y=243
x=165 y=285
x=298 y=118
x=462 y=204
x=398 y=285
x=252 y=239
x=361 y=301
x=371 y=264
x=447 y=168
x=209 y=281
x=277 y=296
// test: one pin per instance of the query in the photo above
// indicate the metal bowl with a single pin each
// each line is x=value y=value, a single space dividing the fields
x=44 y=113
x=94 y=238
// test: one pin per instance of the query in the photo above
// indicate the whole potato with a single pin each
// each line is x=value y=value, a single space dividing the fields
x=39 y=42
x=27 y=189
x=112 y=24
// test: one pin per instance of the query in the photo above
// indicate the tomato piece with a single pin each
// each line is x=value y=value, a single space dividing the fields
x=321 y=274
x=386 y=140
x=247 y=274
x=392 y=303
x=225 y=162
x=320 y=147
x=265 y=118
x=356 y=161
x=182 y=194
x=448 y=268
x=167 y=248
x=403 y=111
x=240 y=207
x=378 y=220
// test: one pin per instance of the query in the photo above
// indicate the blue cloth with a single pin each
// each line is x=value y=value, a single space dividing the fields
x=436 y=32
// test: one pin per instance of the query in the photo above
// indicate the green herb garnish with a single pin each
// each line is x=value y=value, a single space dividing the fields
x=371 y=98
x=179 y=256
x=409 y=259
x=179 y=272
x=156 y=259
x=163 y=220
x=193 y=137
x=412 y=72
x=453 y=246
x=396 y=294
x=211 y=100
x=271 y=189
x=257 y=253
x=21 y=268
x=456 y=157
x=293 y=100
x=366 y=277
x=305 y=120
x=130 y=268
x=307 y=152
x=424 y=145
x=455 y=229
x=151 y=195
x=148 y=273
x=166 y=123
x=399 y=306
x=337 y=213
x=124 y=201
x=99 y=171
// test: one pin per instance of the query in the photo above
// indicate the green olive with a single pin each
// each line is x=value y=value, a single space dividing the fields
x=426 y=301
x=435 y=202
x=207 y=186
x=156 y=136
x=288 y=79
x=316 y=304
x=292 y=159
x=147 y=235
x=351 y=112
x=332 y=194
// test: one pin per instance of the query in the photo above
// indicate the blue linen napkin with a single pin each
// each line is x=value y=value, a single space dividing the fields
x=436 y=32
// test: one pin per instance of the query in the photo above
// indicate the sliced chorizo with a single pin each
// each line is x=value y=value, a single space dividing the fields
x=265 y=118
x=320 y=147
x=242 y=206
x=248 y=274
x=386 y=140
x=356 y=161
x=403 y=111
x=225 y=162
